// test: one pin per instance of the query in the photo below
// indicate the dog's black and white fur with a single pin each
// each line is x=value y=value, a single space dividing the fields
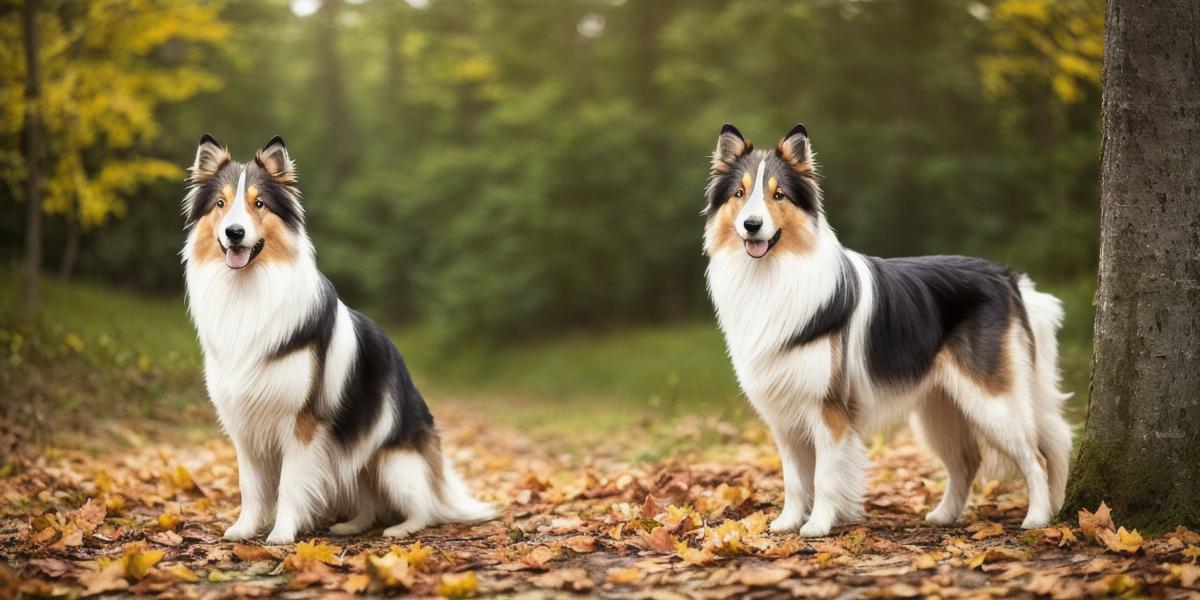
x=324 y=416
x=828 y=343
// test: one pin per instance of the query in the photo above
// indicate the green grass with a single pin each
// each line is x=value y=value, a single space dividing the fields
x=580 y=381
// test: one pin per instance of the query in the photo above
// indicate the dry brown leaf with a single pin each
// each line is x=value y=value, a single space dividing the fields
x=991 y=530
x=761 y=576
x=1121 y=541
x=1090 y=524
x=580 y=544
x=252 y=553
x=575 y=580
x=659 y=540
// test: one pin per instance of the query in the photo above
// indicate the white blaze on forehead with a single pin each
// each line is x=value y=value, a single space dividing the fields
x=756 y=205
x=238 y=214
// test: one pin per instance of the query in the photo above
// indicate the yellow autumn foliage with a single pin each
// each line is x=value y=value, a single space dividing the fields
x=105 y=70
x=1059 y=43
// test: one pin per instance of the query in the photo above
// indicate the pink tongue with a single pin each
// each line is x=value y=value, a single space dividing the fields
x=237 y=258
x=757 y=249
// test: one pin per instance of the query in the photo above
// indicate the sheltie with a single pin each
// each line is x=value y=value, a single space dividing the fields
x=829 y=344
x=323 y=414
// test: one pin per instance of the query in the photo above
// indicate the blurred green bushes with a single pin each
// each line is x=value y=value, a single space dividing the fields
x=506 y=169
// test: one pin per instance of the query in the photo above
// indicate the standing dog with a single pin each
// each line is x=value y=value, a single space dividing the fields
x=828 y=343
x=321 y=409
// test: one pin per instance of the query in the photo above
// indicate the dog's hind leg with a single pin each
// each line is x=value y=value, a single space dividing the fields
x=798 y=460
x=947 y=432
x=408 y=483
x=365 y=517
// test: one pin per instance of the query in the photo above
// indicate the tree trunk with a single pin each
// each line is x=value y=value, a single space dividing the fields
x=70 y=248
x=330 y=74
x=32 y=150
x=1140 y=451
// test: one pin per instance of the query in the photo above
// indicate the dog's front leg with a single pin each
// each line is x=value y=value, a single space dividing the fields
x=302 y=485
x=798 y=461
x=839 y=478
x=257 y=478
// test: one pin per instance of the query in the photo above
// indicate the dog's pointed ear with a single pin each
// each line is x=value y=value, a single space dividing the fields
x=795 y=150
x=730 y=147
x=274 y=159
x=210 y=157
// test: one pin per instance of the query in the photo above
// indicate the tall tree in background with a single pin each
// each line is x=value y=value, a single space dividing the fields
x=32 y=146
x=1141 y=446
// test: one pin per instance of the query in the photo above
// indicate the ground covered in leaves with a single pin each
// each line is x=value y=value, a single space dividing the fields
x=580 y=515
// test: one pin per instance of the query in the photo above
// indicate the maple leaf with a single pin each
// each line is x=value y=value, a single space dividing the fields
x=309 y=552
x=1090 y=524
x=90 y=515
x=725 y=539
x=417 y=555
x=181 y=572
x=1121 y=541
x=458 y=585
x=389 y=572
x=693 y=556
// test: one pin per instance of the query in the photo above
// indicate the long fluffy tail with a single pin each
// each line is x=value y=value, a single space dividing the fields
x=458 y=505
x=1054 y=434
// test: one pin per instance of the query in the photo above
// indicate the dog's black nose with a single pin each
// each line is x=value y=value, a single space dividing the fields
x=752 y=224
x=235 y=233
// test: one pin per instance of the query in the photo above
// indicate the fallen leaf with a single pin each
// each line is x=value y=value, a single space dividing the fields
x=1186 y=575
x=389 y=572
x=1115 y=585
x=307 y=552
x=575 y=580
x=1121 y=541
x=627 y=576
x=659 y=540
x=458 y=585
x=183 y=573
x=694 y=556
x=761 y=576
x=993 y=555
x=1090 y=524
x=991 y=530
x=417 y=555
x=580 y=544
x=252 y=553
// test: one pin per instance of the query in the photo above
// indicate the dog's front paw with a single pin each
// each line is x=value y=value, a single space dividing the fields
x=788 y=520
x=941 y=518
x=240 y=531
x=1033 y=521
x=815 y=529
x=280 y=538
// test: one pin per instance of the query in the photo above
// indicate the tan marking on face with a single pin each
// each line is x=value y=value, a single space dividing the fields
x=799 y=235
x=208 y=247
x=251 y=195
x=280 y=243
x=721 y=234
x=228 y=193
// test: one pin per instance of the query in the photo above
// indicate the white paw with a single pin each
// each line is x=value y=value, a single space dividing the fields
x=941 y=517
x=280 y=538
x=1033 y=521
x=787 y=521
x=402 y=530
x=815 y=529
x=347 y=528
x=240 y=531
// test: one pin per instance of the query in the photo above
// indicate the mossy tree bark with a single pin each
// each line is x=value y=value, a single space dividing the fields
x=1141 y=446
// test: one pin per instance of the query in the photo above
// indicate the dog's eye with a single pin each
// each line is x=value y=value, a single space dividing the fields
x=258 y=204
x=739 y=193
x=778 y=195
x=220 y=204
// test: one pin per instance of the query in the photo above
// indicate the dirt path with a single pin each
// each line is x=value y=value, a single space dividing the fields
x=148 y=521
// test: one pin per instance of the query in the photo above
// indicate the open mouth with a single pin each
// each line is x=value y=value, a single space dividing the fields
x=237 y=257
x=760 y=248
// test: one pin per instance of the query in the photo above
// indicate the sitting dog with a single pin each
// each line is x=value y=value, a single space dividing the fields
x=323 y=414
x=828 y=343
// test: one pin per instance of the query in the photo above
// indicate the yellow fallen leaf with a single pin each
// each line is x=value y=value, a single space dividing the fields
x=726 y=538
x=140 y=561
x=319 y=551
x=182 y=479
x=181 y=572
x=1185 y=575
x=1192 y=552
x=695 y=556
x=623 y=576
x=417 y=555
x=993 y=555
x=168 y=521
x=1128 y=542
x=389 y=572
x=457 y=585
x=356 y=583
x=1116 y=584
